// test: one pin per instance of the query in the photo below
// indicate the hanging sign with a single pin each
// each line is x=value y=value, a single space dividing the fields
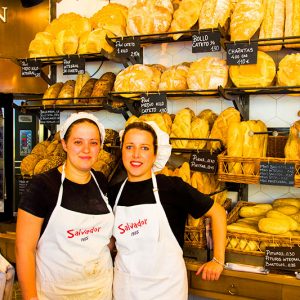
x=204 y=161
x=153 y=103
x=277 y=173
x=242 y=53
x=73 y=65
x=30 y=68
x=282 y=258
x=49 y=116
x=129 y=47
x=208 y=41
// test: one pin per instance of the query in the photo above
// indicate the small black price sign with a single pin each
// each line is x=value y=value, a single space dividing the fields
x=30 y=68
x=282 y=258
x=242 y=54
x=73 y=65
x=49 y=116
x=22 y=183
x=203 y=161
x=153 y=103
x=208 y=41
x=129 y=47
x=277 y=173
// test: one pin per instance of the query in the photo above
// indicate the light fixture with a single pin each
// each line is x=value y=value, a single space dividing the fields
x=30 y=3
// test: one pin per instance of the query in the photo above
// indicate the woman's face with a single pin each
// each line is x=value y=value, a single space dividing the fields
x=82 y=146
x=138 y=154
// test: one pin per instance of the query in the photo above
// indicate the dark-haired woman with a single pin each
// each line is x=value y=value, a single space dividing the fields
x=64 y=223
x=150 y=216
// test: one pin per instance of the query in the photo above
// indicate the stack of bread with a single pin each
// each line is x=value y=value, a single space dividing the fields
x=85 y=89
x=280 y=218
x=48 y=155
x=243 y=142
x=292 y=147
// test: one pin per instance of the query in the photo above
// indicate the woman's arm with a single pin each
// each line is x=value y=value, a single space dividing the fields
x=27 y=236
x=213 y=269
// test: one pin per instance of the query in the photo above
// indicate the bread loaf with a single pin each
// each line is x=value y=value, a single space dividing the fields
x=261 y=74
x=181 y=127
x=157 y=118
x=42 y=45
x=86 y=91
x=246 y=19
x=213 y=13
x=66 y=42
x=209 y=115
x=149 y=16
x=292 y=147
x=199 y=129
x=293 y=224
x=174 y=78
x=288 y=70
x=273 y=23
x=221 y=125
x=81 y=80
x=207 y=73
x=67 y=92
x=292 y=21
x=28 y=164
x=186 y=16
x=96 y=41
x=52 y=92
x=273 y=226
x=287 y=201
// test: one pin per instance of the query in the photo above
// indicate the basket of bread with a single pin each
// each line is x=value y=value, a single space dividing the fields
x=252 y=227
x=248 y=145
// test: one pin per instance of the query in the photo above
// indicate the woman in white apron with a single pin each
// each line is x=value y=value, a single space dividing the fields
x=70 y=257
x=149 y=264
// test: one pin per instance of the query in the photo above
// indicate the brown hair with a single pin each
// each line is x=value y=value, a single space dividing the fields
x=142 y=126
x=68 y=132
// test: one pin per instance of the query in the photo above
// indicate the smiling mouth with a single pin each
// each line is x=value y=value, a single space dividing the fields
x=135 y=164
x=85 y=157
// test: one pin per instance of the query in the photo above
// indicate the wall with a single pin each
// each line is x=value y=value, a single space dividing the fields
x=274 y=110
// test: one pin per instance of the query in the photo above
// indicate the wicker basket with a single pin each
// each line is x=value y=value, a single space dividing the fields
x=258 y=240
x=195 y=237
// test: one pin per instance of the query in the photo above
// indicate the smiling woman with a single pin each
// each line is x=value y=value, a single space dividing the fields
x=65 y=214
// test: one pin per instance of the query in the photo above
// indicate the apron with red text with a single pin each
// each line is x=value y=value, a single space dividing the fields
x=149 y=264
x=72 y=259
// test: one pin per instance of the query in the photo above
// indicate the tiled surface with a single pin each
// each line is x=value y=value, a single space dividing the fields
x=274 y=110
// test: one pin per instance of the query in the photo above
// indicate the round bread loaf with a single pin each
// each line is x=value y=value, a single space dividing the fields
x=289 y=70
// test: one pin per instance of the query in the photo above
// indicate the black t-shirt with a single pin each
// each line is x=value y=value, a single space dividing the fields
x=177 y=198
x=40 y=196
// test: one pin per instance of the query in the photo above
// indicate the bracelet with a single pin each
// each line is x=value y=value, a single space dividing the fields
x=218 y=262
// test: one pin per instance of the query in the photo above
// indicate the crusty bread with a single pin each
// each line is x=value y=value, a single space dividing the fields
x=95 y=41
x=52 y=92
x=292 y=147
x=199 y=129
x=42 y=45
x=66 y=42
x=86 y=91
x=292 y=21
x=174 y=78
x=102 y=87
x=289 y=70
x=81 y=80
x=67 y=92
x=209 y=115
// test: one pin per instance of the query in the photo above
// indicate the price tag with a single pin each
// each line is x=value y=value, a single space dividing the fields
x=208 y=41
x=204 y=161
x=31 y=68
x=153 y=103
x=242 y=54
x=73 y=65
x=282 y=258
x=49 y=116
x=22 y=183
x=129 y=47
x=277 y=173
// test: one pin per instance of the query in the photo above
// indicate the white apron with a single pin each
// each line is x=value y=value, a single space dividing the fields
x=73 y=260
x=149 y=264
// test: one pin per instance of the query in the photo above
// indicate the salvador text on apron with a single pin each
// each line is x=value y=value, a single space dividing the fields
x=149 y=264
x=73 y=260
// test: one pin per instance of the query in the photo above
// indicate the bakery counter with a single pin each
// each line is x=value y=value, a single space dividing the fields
x=243 y=285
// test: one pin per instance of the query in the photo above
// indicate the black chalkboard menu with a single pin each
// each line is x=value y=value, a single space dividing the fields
x=282 y=258
x=242 y=53
x=49 y=116
x=206 y=41
x=129 y=47
x=203 y=161
x=272 y=173
x=153 y=103
x=73 y=65
x=30 y=68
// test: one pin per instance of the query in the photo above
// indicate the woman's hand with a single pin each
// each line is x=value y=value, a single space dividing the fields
x=210 y=270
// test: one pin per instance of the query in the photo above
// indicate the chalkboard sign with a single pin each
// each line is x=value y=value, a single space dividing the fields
x=129 y=47
x=30 y=68
x=282 y=258
x=73 y=65
x=208 y=41
x=22 y=183
x=153 y=103
x=242 y=54
x=277 y=173
x=203 y=161
x=49 y=116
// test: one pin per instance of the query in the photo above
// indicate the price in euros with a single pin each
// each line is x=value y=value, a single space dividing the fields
x=243 y=61
x=135 y=54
